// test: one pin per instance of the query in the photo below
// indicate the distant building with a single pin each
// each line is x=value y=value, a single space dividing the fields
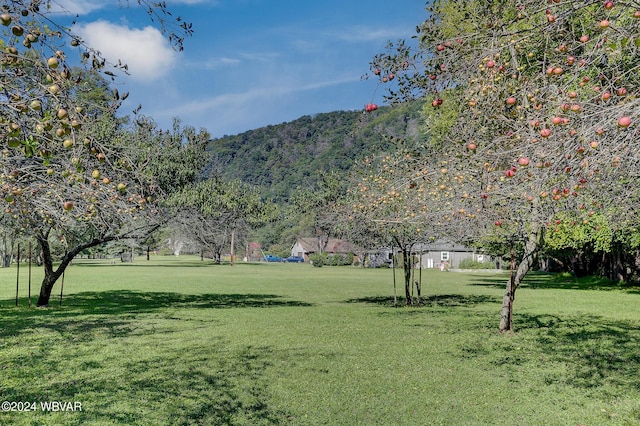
x=430 y=255
x=303 y=247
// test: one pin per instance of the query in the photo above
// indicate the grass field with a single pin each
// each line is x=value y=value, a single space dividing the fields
x=183 y=342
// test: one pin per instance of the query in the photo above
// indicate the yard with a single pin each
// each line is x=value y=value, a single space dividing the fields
x=177 y=341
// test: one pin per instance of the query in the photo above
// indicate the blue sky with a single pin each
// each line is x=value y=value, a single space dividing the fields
x=250 y=63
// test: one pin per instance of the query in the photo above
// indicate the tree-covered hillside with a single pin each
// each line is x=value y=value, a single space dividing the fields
x=281 y=158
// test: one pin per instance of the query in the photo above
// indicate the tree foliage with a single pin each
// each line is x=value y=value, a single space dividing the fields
x=540 y=101
x=67 y=173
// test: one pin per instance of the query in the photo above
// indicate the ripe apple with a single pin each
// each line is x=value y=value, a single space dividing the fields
x=584 y=38
x=106 y=181
x=54 y=89
x=491 y=64
x=371 y=107
x=606 y=95
x=471 y=146
x=67 y=205
x=624 y=121
x=509 y=173
x=608 y=5
x=621 y=91
x=594 y=144
x=523 y=161
x=545 y=133
x=511 y=100
x=497 y=223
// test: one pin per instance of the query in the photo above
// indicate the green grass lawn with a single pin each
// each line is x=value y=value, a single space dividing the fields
x=184 y=342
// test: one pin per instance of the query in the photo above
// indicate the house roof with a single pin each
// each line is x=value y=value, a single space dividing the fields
x=439 y=245
x=334 y=245
x=443 y=245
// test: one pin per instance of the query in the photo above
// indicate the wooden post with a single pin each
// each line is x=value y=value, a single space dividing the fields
x=29 y=273
x=233 y=242
x=61 y=288
x=393 y=266
x=18 y=274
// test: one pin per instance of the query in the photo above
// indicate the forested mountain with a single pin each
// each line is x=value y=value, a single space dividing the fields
x=280 y=158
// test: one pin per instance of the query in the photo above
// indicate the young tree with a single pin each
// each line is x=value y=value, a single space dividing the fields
x=224 y=209
x=399 y=199
x=540 y=109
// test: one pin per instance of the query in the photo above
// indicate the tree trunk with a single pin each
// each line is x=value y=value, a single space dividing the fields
x=531 y=247
x=50 y=275
x=406 y=261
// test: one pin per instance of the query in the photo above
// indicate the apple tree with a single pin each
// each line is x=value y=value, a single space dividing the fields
x=398 y=199
x=542 y=117
x=67 y=174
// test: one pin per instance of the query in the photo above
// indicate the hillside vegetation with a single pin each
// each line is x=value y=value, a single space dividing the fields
x=280 y=158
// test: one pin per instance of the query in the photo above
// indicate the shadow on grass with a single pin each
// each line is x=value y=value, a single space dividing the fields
x=596 y=351
x=586 y=352
x=90 y=263
x=209 y=385
x=438 y=300
x=555 y=281
x=113 y=310
x=126 y=301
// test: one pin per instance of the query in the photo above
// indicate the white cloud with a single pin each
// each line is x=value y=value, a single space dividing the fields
x=364 y=34
x=235 y=106
x=83 y=7
x=77 y=7
x=145 y=51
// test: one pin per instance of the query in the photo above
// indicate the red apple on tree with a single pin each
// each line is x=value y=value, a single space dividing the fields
x=624 y=121
x=523 y=161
